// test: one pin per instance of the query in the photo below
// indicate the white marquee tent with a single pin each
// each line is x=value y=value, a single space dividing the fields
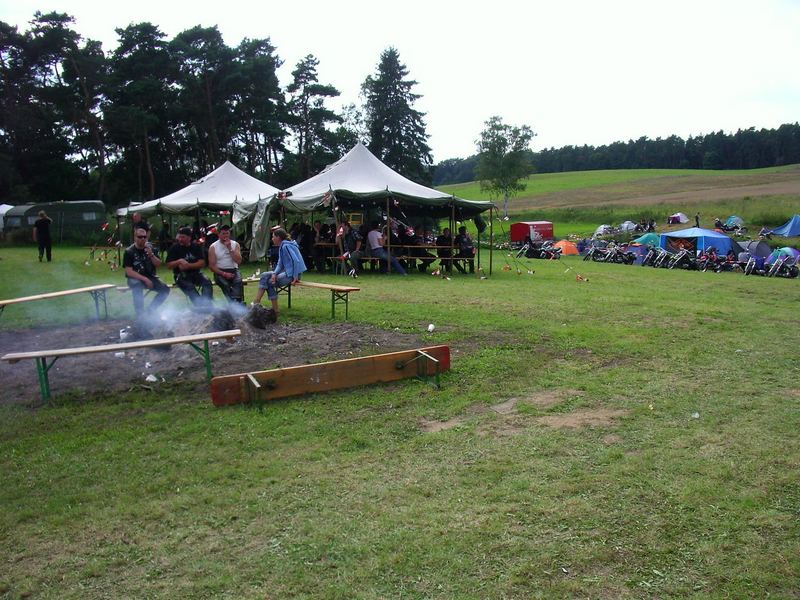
x=225 y=188
x=357 y=181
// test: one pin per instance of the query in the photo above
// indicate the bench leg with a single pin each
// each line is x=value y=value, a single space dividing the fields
x=206 y=356
x=288 y=290
x=97 y=295
x=44 y=381
x=336 y=297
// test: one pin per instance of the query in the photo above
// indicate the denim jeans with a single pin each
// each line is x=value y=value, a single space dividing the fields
x=138 y=289
x=231 y=288
x=383 y=255
x=188 y=282
x=265 y=283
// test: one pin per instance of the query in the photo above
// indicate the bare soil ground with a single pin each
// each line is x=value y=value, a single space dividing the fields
x=279 y=345
x=685 y=189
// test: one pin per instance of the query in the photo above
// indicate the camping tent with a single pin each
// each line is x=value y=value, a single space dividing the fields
x=225 y=188
x=358 y=182
x=785 y=251
x=734 y=221
x=567 y=247
x=627 y=226
x=756 y=248
x=677 y=218
x=648 y=238
x=789 y=229
x=696 y=239
x=4 y=208
x=603 y=230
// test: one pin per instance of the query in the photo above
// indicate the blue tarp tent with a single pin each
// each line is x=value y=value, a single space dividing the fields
x=696 y=238
x=790 y=228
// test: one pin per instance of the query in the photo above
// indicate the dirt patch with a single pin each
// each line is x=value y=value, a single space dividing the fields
x=542 y=399
x=587 y=417
x=506 y=408
x=436 y=426
x=612 y=439
x=279 y=345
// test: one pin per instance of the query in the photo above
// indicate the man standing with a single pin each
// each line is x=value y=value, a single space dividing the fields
x=41 y=235
x=140 y=263
x=288 y=270
x=224 y=258
x=697 y=219
x=377 y=241
x=185 y=258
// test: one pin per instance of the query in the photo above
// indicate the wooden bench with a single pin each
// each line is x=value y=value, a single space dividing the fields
x=340 y=294
x=97 y=292
x=43 y=365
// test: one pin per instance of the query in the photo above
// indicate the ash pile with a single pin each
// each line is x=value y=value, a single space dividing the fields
x=175 y=323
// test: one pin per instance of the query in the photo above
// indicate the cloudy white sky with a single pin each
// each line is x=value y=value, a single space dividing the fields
x=577 y=72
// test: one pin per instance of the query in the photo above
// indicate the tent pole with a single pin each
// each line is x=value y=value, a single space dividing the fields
x=452 y=235
x=491 y=237
x=388 y=235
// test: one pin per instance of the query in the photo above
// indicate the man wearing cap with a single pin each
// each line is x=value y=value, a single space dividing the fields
x=224 y=258
x=185 y=258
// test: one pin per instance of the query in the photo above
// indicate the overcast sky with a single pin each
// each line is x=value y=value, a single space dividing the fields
x=577 y=72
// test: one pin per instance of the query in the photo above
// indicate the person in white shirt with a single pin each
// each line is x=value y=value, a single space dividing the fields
x=377 y=241
x=224 y=258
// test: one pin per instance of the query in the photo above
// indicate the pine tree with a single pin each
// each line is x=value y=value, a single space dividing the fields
x=309 y=118
x=396 y=131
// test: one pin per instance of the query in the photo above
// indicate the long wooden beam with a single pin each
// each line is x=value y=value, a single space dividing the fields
x=262 y=386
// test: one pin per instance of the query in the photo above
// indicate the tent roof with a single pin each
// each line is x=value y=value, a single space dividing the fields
x=360 y=178
x=218 y=190
x=648 y=238
x=789 y=229
x=756 y=248
x=705 y=239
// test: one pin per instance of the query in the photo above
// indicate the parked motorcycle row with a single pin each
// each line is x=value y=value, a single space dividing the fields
x=708 y=260
x=611 y=254
x=544 y=250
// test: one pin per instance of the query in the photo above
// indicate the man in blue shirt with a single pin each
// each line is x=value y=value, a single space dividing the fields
x=288 y=270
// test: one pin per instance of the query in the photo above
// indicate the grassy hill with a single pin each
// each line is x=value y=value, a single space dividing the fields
x=577 y=199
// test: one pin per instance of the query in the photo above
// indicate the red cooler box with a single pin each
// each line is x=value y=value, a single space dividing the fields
x=519 y=231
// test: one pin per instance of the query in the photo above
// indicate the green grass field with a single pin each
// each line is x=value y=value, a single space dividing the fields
x=630 y=436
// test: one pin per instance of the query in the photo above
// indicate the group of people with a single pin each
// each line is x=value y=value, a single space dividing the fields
x=187 y=259
x=398 y=246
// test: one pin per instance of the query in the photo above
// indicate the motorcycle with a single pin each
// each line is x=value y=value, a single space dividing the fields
x=617 y=254
x=596 y=254
x=662 y=259
x=651 y=255
x=683 y=260
x=784 y=266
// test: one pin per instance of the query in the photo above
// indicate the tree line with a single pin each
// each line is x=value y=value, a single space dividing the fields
x=745 y=149
x=141 y=121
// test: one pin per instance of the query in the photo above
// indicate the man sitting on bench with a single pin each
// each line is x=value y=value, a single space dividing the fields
x=185 y=258
x=224 y=258
x=140 y=263
x=288 y=270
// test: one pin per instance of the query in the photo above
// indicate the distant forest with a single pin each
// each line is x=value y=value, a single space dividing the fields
x=745 y=149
